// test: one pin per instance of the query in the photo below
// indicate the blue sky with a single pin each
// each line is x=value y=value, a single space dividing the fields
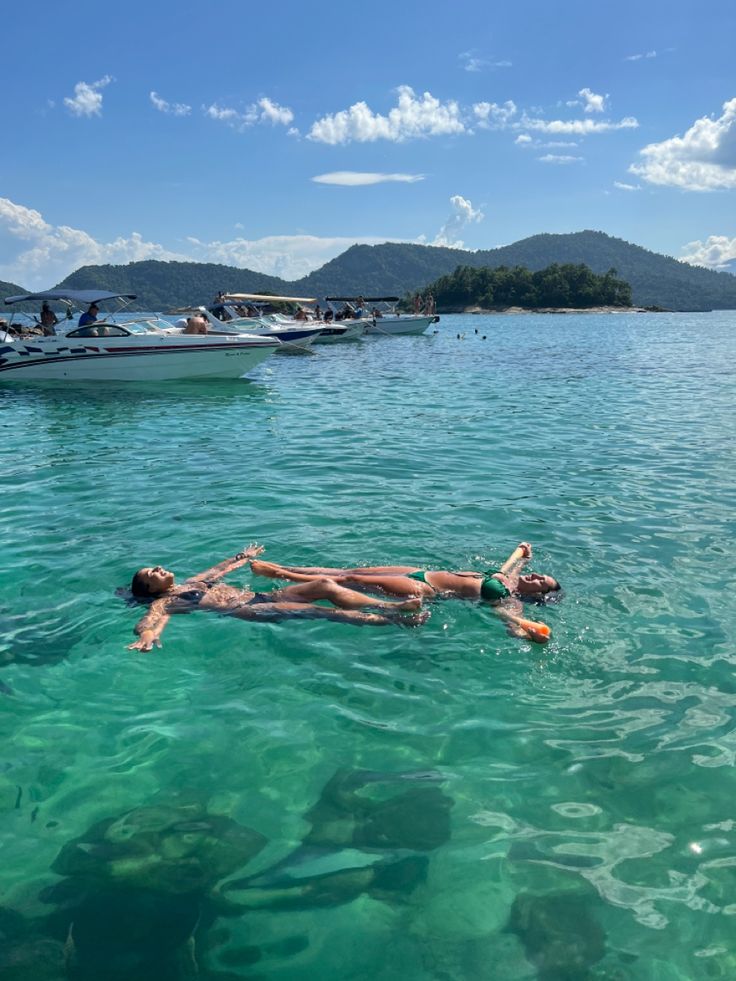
x=273 y=136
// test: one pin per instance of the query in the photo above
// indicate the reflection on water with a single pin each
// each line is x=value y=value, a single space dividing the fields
x=299 y=800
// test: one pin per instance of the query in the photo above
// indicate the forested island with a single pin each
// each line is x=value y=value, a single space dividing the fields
x=557 y=286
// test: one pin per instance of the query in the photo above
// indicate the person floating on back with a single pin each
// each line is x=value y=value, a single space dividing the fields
x=206 y=591
x=503 y=588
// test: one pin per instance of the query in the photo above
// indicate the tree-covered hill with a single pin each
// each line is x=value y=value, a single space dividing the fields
x=395 y=268
x=565 y=285
x=162 y=285
x=10 y=289
x=655 y=280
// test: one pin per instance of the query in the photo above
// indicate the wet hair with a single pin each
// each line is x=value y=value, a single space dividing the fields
x=139 y=586
x=553 y=595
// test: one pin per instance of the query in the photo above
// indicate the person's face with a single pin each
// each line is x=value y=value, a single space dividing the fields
x=94 y=310
x=158 y=580
x=535 y=584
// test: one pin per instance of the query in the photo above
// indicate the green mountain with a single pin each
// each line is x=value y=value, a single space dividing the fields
x=162 y=285
x=11 y=289
x=398 y=269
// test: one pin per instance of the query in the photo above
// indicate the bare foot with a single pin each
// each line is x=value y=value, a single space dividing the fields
x=416 y=620
x=268 y=569
x=409 y=605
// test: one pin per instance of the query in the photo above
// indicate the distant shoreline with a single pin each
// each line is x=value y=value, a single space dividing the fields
x=560 y=310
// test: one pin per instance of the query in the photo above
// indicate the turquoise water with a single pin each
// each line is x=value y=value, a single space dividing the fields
x=444 y=802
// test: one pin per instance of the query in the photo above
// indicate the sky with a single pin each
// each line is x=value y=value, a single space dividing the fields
x=274 y=136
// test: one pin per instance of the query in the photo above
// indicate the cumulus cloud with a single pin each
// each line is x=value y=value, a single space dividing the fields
x=559 y=158
x=170 y=108
x=591 y=101
x=626 y=187
x=704 y=159
x=716 y=252
x=42 y=254
x=263 y=111
x=412 y=117
x=463 y=213
x=87 y=98
x=576 y=127
x=354 y=178
x=638 y=57
x=490 y=115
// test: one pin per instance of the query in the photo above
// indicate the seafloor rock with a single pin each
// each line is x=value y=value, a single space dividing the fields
x=173 y=850
x=559 y=934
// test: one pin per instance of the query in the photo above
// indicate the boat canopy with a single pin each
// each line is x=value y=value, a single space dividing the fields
x=82 y=297
x=366 y=299
x=262 y=298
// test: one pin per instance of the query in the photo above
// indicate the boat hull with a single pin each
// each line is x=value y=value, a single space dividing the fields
x=342 y=333
x=145 y=359
x=400 y=325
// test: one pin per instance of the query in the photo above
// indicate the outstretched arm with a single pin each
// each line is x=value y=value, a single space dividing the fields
x=521 y=554
x=228 y=565
x=540 y=633
x=150 y=627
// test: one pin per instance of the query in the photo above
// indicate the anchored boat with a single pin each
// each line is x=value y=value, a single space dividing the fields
x=107 y=350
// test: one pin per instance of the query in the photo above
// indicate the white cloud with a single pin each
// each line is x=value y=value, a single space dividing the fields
x=412 y=117
x=272 y=112
x=558 y=158
x=44 y=254
x=490 y=115
x=638 y=57
x=626 y=187
x=87 y=99
x=463 y=213
x=472 y=63
x=523 y=139
x=263 y=111
x=170 y=108
x=353 y=178
x=704 y=159
x=717 y=252
x=591 y=101
x=575 y=127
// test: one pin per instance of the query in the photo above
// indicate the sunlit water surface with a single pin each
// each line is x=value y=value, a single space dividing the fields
x=493 y=809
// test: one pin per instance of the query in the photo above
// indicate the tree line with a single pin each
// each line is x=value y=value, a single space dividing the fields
x=558 y=285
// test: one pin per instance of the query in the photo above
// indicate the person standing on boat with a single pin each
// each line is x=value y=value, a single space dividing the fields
x=90 y=317
x=48 y=319
x=205 y=591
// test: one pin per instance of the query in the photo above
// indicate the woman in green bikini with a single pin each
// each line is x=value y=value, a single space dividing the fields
x=503 y=588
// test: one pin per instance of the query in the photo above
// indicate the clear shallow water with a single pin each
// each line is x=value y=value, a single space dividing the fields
x=589 y=785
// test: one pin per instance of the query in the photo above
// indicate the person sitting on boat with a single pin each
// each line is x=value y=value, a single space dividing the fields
x=329 y=316
x=359 y=310
x=90 y=317
x=48 y=319
x=196 y=325
x=206 y=591
x=300 y=314
x=503 y=588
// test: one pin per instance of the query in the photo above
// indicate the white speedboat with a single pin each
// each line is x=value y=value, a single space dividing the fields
x=385 y=319
x=230 y=315
x=133 y=350
x=304 y=316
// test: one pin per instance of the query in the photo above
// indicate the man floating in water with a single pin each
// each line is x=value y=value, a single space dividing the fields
x=503 y=588
x=206 y=591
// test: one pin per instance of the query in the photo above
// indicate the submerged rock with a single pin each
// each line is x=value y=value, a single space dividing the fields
x=559 y=934
x=174 y=850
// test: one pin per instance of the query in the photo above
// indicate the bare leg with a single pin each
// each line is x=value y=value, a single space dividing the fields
x=392 y=585
x=324 y=588
x=300 y=573
x=306 y=611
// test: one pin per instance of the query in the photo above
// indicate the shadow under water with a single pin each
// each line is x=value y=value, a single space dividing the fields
x=139 y=893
